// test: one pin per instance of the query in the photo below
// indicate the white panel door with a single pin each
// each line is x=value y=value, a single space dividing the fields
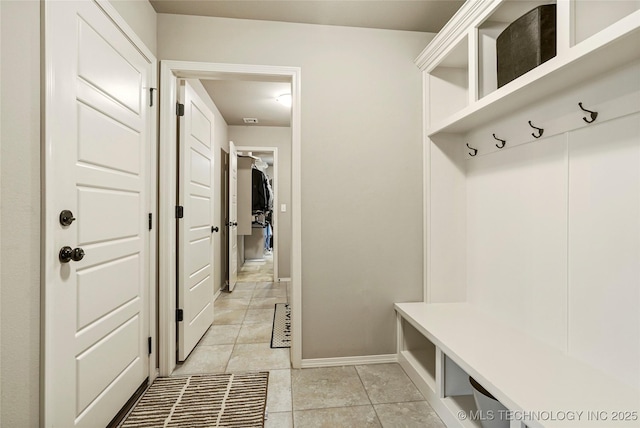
x=195 y=243
x=233 y=216
x=96 y=166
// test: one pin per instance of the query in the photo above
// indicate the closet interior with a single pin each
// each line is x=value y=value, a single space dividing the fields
x=255 y=207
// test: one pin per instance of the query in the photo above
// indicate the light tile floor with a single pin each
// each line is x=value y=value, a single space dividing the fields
x=379 y=395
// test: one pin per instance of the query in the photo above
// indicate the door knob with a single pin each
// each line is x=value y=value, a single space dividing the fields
x=214 y=229
x=67 y=254
x=66 y=218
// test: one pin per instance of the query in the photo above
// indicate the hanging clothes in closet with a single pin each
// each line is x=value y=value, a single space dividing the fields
x=262 y=195
x=262 y=205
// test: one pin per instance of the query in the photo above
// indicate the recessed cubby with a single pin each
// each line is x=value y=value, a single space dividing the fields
x=449 y=83
x=420 y=353
x=488 y=32
x=591 y=17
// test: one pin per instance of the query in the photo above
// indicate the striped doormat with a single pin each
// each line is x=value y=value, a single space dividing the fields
x=281 y=330
x=216 y=400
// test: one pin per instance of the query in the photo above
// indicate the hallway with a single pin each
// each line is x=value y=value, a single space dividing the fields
x=351 y=396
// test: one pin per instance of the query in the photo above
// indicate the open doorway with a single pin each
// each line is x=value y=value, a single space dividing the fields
x=260 y=248
x=171 y=73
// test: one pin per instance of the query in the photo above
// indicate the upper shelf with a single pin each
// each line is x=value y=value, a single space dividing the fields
x=584 y=51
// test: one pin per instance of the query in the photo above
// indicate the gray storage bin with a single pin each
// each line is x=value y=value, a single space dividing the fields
x=526 y=43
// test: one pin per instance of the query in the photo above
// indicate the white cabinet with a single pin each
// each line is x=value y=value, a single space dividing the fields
x=540 y=232
x=460 y=62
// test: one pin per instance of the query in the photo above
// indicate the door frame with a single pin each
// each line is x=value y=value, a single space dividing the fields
x=273 y=150
x=49 y=216
x=170 y=72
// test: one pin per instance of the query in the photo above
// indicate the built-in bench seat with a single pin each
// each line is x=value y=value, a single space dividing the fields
x=541 y=385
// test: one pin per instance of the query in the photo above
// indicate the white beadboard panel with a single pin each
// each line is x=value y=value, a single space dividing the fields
x=200 y=251
x=102 y=136
x=98 y=368
x=447 y=210
x=516 y=237
x=106 y=69
x=200 y=212
x=99 y=294
x=201 y=297
x=114 y=207
x=200 y=169
x=200 y=126
x=604 y=247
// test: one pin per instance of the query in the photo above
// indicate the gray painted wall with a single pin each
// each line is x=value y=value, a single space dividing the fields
x=280 y=137
x=361 y=165
x=20 y=228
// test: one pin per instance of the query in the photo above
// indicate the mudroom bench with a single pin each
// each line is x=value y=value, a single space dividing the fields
x=441 y=345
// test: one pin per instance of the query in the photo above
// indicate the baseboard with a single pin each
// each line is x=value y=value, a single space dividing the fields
x=284 y=279
x=215 y=296
x=349 y=361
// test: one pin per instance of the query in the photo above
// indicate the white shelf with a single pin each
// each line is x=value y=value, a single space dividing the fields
x=607 y=50
x=593 y=37
x=524 y=374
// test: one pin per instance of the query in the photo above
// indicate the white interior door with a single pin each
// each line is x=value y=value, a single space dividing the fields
x=195 y=243
x=233 y=216
x=96 y=166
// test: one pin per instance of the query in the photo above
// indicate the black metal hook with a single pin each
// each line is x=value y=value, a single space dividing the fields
x=540 y=130
x=593 y=114
x=504 y=142
x=475 y=151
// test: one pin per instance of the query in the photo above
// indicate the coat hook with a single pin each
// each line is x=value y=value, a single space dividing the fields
x=540 y=130
x=593 y=114
x=504 y=142
x=475 y=151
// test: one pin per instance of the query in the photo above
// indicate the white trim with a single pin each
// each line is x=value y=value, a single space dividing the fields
x=169 y=72
x=166 y=225
x=296 y=221
x=349 y=361
x=453 y=31
x=283 y=280
x=276 y=161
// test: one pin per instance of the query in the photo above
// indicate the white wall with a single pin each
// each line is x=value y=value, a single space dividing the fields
x=361 y=165
x=280 y=137
x=552 y=225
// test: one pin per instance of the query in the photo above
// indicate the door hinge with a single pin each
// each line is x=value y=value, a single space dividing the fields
x=179 y=211
x=179 y=109
x=179 y=315
x=151 y=96
x=149 y=345
x=150 y=221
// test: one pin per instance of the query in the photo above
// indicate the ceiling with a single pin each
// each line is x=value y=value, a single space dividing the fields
x=410 y=15
x=239 y=99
